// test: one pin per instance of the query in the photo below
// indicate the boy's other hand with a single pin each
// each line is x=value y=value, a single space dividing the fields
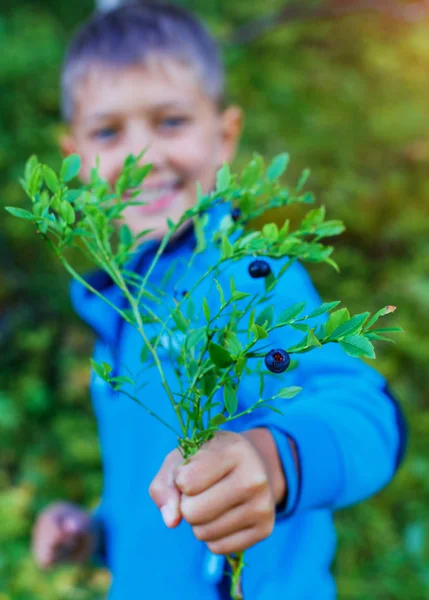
x=228 y=491
x=63 y=533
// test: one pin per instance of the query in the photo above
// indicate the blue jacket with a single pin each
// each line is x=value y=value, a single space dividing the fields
x=347 y=428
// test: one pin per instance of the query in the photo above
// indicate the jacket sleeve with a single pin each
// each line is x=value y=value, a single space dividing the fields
x=348 y=430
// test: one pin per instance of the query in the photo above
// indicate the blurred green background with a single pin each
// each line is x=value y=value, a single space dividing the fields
x=348 y=97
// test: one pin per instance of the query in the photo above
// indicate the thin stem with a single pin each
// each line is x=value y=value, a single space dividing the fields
x=147 y=409
x=80 y=279
x=179 y=304
x=136 y=312
x=153 y=264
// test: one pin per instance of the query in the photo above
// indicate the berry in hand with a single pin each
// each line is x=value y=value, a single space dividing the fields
x=277 y=360
x=259 y=268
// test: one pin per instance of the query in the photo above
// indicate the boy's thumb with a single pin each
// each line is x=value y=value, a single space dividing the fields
x=171 y=510
x=164 y=492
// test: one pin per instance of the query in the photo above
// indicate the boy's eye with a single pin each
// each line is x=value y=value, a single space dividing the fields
x=173 y=122
x=104 y=133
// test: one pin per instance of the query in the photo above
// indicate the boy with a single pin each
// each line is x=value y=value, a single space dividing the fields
x=150 y=76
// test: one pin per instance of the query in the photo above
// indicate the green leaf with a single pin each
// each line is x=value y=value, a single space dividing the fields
x=181 y=323
x=125 y=235
x=208 y=382
x=247 y=239
x=300 y=326
x=323 y=308
x=239 y=296
x=20 y=213
x=376 y=336
x=303 y=179
x=267 y=315
x=357 y=345
x=336 y=319
x=67 y=212
x=102 y=369
x=221 y=294
x=329 y=228
x=121 y=380
x=190 y=307
x=277 y=166
x=288 y=392
x=223 y=178
x=72 y=195
x=233 y=342
x=239 y=366
x=273 y=408
x=386 y=310
x=139 y=175
x=270 y=231
x=199 y=229
x=350 y=327
x=291 y=313
x=144 y=354
x=82 y=233
x=230 y=398
x=313 y=217
x=70 y=167
x=260 y=333
x=312 y=340
x=251 y=318
x=219 y=355
x=35 y=181
x=252 y=173
x=226 y=247
x=30 y=166
x=217 y=420
x=284 y=230
x=206 y=310
x=51 y=179
x=195 y=337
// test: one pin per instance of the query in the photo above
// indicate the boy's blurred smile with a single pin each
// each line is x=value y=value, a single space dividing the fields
x=159 y=107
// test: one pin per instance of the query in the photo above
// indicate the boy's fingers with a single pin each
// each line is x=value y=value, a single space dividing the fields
x=46 y=540
x=164 y=492
x=214 y=461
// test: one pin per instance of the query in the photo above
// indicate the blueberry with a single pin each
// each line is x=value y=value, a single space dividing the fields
x=259 y=268
x=277 y=360
x=235 y=214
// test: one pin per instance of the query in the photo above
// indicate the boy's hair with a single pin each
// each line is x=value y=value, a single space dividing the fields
x=132 y=33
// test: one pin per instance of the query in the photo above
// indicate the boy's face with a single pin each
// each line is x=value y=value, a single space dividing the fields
x=159 y=107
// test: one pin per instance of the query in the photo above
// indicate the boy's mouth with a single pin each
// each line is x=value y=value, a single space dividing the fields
x=158 y=197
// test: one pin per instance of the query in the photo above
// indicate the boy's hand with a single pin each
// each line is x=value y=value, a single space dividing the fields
x=63 y=533
x=228 y=491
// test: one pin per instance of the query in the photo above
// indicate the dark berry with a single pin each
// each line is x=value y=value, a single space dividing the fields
x=277 y=360
x=235 y=214
x=259 y=268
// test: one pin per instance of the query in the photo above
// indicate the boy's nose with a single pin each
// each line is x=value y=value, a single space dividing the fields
x=140 y=140
x=153 y=154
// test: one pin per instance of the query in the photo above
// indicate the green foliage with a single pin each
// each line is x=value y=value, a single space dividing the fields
x=349 y=98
